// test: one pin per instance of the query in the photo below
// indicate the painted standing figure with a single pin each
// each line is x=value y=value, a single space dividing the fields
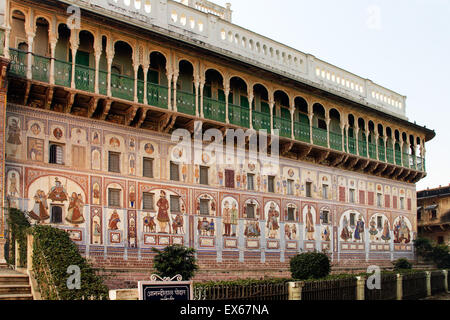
x=40 y=208
x=75 y=211
x=345 y=233
x=272 y=221
x=114 y=220
x=386 y=236
x=163 y=212
x=359 y=230
x=309 y=225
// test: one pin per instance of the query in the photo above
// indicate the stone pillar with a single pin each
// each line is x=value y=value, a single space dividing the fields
x=445 y=272
x=30 y=241
x=175 y=81
x=250 y=103
x=17 y=255
x=360 y=288
x=74 y=43
x=52 y=60
x=399 y=286
x=271 y=105
x=385 y=148
x=295 y=290
x=357 y=140
x=227 y=96
x=292 y=121
x=347 y=148
x=199 y=88
x=428 y=273
x=3 y=90
x=30 y=37
x=136 y=71
x=311 y=118
x=169 y=75
x=6 y=48
x=343 y=137
x=98 y=54
x=110 y=57
x=328 y=121
x=146 y=67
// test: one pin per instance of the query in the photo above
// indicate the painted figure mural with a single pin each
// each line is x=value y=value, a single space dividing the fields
x=14 y=140
x=149 y=224
x=40 y=208
x=57 y=192
x=345 y=233
x=114 y=221
x=290 y=231
x=353 y=227
x=273 y=215
x=230 y=216
x=309 y=217
x=359 y=230
x=402 y=230
x=75 y=211
x=252 y=229
x=379 y=229
x=163 y=212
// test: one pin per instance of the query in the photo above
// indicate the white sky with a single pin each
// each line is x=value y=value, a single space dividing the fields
x=403 y=45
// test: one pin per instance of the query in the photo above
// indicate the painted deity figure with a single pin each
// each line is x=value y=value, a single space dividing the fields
x=227 y=219
x=403 y=232
x=373 y=231
x=75 y=210
x=114 y=221
x=234 y=219
x=13 y=191
x=345 y=233
x=132 y=197
x=326 y=234
x=252 y=229
x=386 y=236
x=96 y=232
x=272 y=221
x=40 y=208
x=14 y=136
x=96 y=194
x=58 y=193
x=163 y=212
x=359 y=230
x=309 y=225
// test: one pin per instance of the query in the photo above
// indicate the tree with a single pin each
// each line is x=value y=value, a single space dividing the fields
x=175 y=260
x=310 y=265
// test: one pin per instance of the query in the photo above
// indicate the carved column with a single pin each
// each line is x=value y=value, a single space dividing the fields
x=145 y=68
x=250 y=102
x=385 y=148
x=328 y=121
x=357 y=139
x=110 y=52
x=74 y=43
x=311 y=118
x=347 y=127
x=30 y=37
x=6 y=49
x=98 y=48
x=175 y=81
x=53 y=41
x=367 y=140
x=3 y=90
x=199 y=91
x=136 y=71
x=271 y=105
x=227 y=96
x=292 y=120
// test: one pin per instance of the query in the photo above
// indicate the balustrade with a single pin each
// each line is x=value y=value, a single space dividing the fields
x=261 y=121
x=302 y=132
x=320 y=137
x=122 y=87
x=283 y=125
x=336 y=141
x=157 y=95
x=214 y=109
x=84 y=78
x=186 y=103
x=239 y=116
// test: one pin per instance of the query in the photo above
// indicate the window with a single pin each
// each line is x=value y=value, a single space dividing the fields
x=325 y=191
x=114 y=162
x=251 y=182
x=250 y=211
x=174 y=172
x=56 y=154
x=175 y=204
x=402 y=203
x=148 y=201
x=290 y=187
x=147 y=170
x=291 y=214
x=433 y=214
x=271 y=183
x=56 y=214
x=352 y=196
x=114 y=197
x=379 y=200
x=379 y=222
x=229 y=178
x=352 y=219
x=325 y=217
x=204 y=207
x=419 y=215
x=204 y=175
x=308 y=189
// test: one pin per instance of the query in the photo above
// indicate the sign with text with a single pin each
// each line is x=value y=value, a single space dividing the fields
x=166 y=291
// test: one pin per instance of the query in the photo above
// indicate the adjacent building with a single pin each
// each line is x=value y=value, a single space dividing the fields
x=433 y=214
x=93 y=91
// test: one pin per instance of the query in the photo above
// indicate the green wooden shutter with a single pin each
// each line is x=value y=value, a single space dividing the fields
x=153 y=76
x=82 y=58
x=244 y=102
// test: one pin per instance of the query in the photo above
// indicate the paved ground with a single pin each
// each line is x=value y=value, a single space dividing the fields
x=444 y=296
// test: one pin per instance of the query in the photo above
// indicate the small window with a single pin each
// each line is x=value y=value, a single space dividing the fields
x=56 y=214
x=204 y=172
x=291 y=214
x=325 y=217
x=308 y=189
x=148 y=168
x=251 y=182
x=114 y=162
x=271 y=185
x=433 y=214
x=114 y=197
x=148 y=201
x=250 y=211
x=352 y=196
x=229 y=178
x=325 y=191
x=204 y=207
x=174 y=172
x=402 y=203
x=56 y=154
x=175 y=204
x=379 y=200
x=352 y=219
x=379 y=222
x=290 y=187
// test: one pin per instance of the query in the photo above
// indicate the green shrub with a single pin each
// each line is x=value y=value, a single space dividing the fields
x=402 y=264
x=310 y=265
x=423 y=248
x=53 y=250
x=441 y=256
x=175 y=260
x=18 y=226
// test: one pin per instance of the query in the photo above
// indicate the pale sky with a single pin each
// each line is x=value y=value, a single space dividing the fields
x=402 y=45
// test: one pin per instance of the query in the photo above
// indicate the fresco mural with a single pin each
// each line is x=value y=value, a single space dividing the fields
x=402 y=230
x=309 y=219
x=230 y=216
x=272 y=212
x=379 y=229
x=13 y=140
x=352 y=226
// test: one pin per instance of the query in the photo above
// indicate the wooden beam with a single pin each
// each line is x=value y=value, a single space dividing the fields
x=69 y=102
x=49 y=98
x=106 y=107
x=92 y=106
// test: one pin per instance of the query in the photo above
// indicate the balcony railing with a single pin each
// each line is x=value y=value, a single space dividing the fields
x=352 y=145
x=122 y=87
x=140 y=91
x=63 y=73
x=284 y=126
x=373 y=151
x=19 y=62
x=381 y=153
x=186 y=103
x=320 y=137
x=103 y=82
x=261 y=121
x=214 y=110
x=362 y=148
x=302 y=132
x=398 y=157
x=390 y=155
x=84 y=78
x=239 y=116
x=157 y=95
x=336 y=141
x=41 y=68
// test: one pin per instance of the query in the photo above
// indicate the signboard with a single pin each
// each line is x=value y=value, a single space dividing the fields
x=166 y=290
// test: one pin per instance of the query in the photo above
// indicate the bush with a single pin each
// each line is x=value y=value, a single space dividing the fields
x=441 y=256
x=53 y=250
x=423 y=248
x=310 y=265
x=402 y=264
x=18 y=226
x=175 y=260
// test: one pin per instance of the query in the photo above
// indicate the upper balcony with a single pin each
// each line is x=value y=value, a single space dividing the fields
x=208 y=25
x=105 y=81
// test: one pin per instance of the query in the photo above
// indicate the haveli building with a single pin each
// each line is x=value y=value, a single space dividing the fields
x=433 y=214
x=87 y=137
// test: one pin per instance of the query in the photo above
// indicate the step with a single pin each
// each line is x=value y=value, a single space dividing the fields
x=14 y=279
x=16 y=297
x=15 y=289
